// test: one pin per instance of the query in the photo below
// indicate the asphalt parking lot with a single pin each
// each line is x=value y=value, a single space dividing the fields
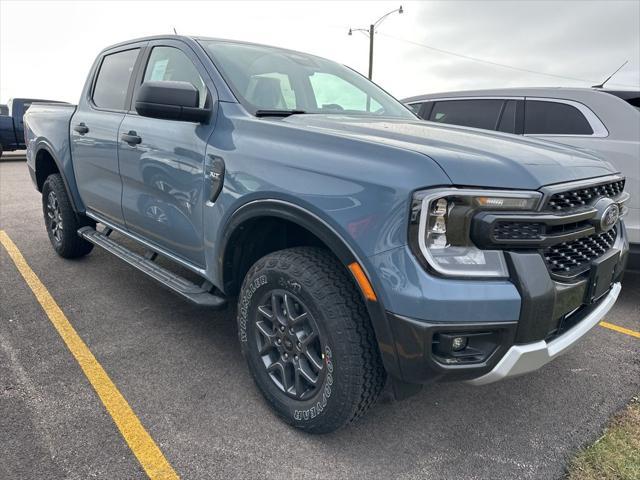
x=180 y=369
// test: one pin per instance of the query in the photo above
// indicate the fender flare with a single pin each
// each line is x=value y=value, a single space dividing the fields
x=293 y=213
x=45 y=146
x=336 y=244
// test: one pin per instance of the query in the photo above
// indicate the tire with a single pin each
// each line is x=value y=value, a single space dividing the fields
x=61 y=222
x=342 y=358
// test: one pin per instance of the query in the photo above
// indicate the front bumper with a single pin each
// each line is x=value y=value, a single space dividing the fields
x=548 y=316
x=521 y=359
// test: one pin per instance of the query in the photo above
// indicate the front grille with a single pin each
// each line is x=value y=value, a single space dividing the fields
x=506 y=231
x=567 y=227
x=568 y=238
x=517 y=230
x=570 y=199
x=573 y=258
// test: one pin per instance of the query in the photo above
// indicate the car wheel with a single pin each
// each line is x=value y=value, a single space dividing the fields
x=308 y=341
x=61 y=221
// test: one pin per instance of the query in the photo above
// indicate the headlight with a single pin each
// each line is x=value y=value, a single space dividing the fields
x=441 y=223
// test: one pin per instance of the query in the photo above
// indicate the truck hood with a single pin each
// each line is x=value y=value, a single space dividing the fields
x=470 y=157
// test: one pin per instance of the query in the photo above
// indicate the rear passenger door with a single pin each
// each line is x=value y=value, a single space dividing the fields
x=94 y=133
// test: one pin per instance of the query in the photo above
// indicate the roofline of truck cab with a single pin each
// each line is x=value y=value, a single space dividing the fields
x=197 y=38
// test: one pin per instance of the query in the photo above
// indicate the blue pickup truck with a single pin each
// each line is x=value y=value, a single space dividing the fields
x=12 y=123
x=360 y=243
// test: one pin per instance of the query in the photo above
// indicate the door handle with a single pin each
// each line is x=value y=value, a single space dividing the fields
x=81 y=128
x=131 y=138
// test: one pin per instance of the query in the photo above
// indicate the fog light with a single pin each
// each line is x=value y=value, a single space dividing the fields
x=465 y=347
x=458 y=343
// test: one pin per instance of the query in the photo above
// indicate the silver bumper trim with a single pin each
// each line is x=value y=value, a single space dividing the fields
x=527 y=358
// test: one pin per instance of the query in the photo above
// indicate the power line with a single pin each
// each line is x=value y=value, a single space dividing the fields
x=489 y=62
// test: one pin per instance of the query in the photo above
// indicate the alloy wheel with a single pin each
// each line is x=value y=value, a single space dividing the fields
x=55 y=216
x=289 y=344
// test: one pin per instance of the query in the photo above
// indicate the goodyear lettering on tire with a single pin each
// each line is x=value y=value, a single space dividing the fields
x=320 y=405
x=244 y=304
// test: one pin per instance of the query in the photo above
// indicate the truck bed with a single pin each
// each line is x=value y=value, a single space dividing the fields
x=47 y=125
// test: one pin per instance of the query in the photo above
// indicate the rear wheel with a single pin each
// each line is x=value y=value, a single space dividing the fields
x=61 y=221
x=308 y=340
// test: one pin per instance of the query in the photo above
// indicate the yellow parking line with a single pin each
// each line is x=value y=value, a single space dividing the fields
x=626 y=331
x=138 y=439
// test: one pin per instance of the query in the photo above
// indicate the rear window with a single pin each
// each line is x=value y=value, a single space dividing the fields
x=634 y=102
x=629 y=96
x=110 y=89
x=553 y=118
x=468 y=113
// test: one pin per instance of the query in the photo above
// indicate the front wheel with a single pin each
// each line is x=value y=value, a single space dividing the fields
x=61 y=221
x=308 y=340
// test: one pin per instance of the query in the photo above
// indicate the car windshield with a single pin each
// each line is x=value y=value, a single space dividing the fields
x=267 y=78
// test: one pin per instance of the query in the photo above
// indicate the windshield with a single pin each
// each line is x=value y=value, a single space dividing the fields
x=267 y=78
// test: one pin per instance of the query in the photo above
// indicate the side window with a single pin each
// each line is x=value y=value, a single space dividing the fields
x=415 y=107
x=171 y=64
x=110 y=89
x=553 y=118
x=271 y=91
x=333 y=93
x=469 y=113
x=508 y=120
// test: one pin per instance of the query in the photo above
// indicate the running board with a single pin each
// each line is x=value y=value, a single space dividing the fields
x=197 y=294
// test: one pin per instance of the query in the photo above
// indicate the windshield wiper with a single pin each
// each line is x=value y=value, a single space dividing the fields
x=278 y=113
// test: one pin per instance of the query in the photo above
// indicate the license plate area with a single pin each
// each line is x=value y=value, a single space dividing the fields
x=601 y=276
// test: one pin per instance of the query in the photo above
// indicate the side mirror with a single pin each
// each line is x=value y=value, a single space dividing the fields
x=171 y=101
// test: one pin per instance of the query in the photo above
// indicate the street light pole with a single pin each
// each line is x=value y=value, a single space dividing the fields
x=371 y=32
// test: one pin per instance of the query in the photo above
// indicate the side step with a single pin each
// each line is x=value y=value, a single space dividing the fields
x=197 y=294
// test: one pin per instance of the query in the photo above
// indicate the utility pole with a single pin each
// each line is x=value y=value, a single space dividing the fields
x=371 y=32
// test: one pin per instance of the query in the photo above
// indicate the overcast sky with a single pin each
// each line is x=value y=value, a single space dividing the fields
x=47 y=47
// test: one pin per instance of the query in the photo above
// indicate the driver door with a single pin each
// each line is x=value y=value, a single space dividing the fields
x=163 y=170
